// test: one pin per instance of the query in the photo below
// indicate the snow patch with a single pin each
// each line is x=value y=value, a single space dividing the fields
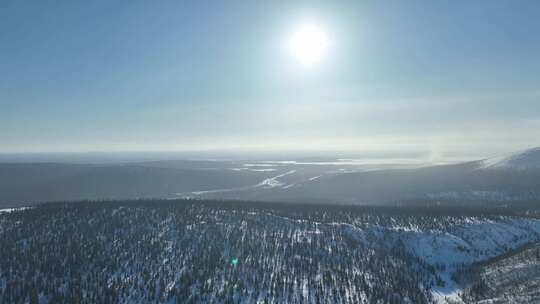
x=9 y=210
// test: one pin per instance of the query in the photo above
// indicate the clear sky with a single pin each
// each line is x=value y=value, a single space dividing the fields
x=159 y=75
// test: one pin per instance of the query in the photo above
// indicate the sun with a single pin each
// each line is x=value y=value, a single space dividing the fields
x=309 y=44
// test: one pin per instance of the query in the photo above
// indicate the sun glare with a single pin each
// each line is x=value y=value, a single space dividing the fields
x=309 y=44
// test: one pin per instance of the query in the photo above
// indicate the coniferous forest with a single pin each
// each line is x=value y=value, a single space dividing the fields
x=194 y=251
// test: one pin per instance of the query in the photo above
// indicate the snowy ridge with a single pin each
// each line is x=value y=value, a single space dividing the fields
x=528 y=159
x=498 y=281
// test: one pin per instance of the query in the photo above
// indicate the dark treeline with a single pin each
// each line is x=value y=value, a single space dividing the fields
x=427 y=207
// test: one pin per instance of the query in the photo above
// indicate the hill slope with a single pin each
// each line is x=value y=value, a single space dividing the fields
x=528 y=159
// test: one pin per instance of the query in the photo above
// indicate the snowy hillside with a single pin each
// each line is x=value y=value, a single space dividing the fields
x=514 y=278
x=528 y=159
x=246 y=252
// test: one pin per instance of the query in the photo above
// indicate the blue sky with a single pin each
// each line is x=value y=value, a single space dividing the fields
x=138 y=75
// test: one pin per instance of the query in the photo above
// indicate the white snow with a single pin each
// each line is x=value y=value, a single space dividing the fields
x=274 y=181
x=8 y=210
x=254 y=170
x=314 y=178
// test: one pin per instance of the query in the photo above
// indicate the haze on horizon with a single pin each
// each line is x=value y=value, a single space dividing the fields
x=427 y=77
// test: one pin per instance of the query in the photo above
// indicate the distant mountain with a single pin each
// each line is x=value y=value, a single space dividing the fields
x=504 y=179
x=528 y=159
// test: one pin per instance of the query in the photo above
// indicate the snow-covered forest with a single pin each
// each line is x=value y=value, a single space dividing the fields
x=194 y=251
